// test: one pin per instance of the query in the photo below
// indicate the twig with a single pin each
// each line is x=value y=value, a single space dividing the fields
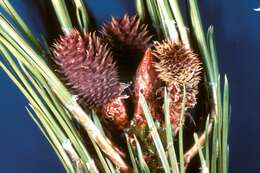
x=67 y=146
x=94 y=133
x=193 y=151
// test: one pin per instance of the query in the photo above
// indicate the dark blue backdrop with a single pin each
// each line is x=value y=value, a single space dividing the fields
x=23 y=148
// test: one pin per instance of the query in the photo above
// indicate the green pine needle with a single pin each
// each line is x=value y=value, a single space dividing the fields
x=225 y=124
x=132 y=156
x=200 y=38
x=142 y=164
x=181 y=153
x=62 y=14
x=155 y=135
x=82 y=15
x=5 y=4
x=140 y=9
x=169 y=135
x=204 y=167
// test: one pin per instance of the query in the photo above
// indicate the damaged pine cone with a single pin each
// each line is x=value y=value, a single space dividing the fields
x=178 y=67
x=169 y=65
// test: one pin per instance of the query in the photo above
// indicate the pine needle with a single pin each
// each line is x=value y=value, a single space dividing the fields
x=5 y=4
x=169 y=135
x=62 y=14
x=155 y=135
x=143 y=166
x=82 y=15
x=181 y=153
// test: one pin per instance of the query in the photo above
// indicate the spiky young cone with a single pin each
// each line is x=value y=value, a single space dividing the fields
x=87 y=68
x=128 y=38
x=178 y=67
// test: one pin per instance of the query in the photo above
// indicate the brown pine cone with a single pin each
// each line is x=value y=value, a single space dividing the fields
x=178 y=67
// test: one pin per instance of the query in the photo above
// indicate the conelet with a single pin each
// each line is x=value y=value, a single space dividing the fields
x=86 y=66
x=128 y=38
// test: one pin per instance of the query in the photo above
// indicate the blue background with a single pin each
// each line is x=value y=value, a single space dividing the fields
x=23 y=148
